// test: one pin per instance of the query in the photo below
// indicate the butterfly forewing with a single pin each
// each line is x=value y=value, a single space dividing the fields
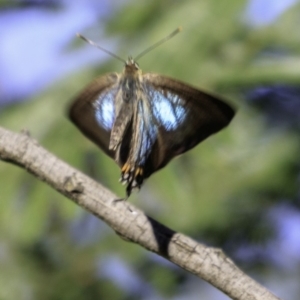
x=183 y=115
x=94 y=110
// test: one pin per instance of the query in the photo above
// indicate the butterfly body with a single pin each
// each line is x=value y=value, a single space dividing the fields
x=142 y=121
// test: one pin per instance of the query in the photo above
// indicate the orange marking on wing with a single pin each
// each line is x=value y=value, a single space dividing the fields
x=125 y=168
x=139 y=171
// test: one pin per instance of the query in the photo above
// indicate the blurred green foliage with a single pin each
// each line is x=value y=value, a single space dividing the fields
x=220 y=189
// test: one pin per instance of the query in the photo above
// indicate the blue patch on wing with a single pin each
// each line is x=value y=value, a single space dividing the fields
x=104 y=110
x=168 y=109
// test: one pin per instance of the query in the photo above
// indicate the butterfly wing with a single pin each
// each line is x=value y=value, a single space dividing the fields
x=164 y=119
x=94 y=110
x=183 y=115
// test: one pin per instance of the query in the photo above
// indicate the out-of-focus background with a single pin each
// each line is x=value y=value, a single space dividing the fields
x=239 y=190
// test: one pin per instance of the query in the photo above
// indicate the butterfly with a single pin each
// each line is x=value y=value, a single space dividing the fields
x=142 y=121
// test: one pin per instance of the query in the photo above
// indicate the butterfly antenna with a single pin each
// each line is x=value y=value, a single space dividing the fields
x=159 y=43
x=99 y=47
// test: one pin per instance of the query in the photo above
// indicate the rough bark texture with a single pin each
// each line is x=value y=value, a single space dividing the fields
x=129 y=222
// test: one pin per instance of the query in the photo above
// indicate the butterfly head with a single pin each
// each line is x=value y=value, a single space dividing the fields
x=131 y=66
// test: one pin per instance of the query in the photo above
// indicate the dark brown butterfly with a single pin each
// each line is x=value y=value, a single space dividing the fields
x=142 y=121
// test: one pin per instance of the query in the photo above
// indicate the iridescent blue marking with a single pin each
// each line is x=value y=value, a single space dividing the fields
x=168 y=110
x=105 y=113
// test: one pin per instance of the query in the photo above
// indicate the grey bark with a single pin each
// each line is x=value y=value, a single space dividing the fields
x=208 y=263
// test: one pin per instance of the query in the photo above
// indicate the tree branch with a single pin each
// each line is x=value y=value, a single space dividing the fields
x=129 y=222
